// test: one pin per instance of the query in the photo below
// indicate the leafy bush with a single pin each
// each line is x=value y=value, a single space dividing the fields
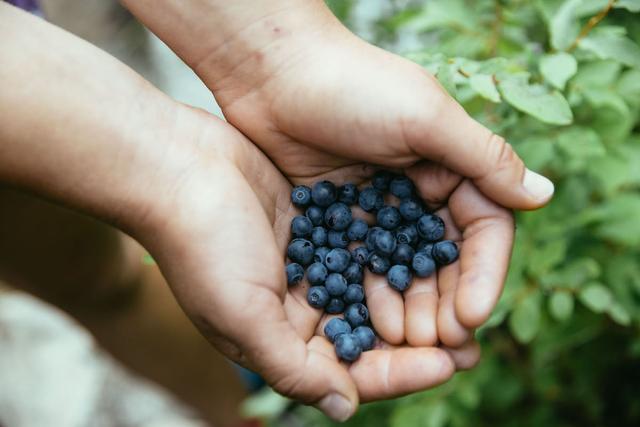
x=560 y=79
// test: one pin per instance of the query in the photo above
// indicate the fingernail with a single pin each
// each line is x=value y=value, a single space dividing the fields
x=537 y=185
x=336 y=407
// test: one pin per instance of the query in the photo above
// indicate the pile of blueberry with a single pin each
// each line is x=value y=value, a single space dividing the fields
x=405 y=240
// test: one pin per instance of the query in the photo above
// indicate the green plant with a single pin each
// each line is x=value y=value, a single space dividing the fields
x=560 y=79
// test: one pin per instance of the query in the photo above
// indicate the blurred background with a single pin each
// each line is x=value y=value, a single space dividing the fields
x=91 y=336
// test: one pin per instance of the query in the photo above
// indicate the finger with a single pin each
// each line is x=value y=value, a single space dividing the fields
x=421 y=311
x=484 y=253
x=448 y=135
x=466 y=356
x=383 y=374
x=301 y=315
x=434 y=182
x=386 y=308
x=450 y=331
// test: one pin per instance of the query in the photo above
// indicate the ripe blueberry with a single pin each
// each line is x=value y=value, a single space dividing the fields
x=353 y=294
x=301 y=226
x=335 y=327
x=318 y=297
x=348 y=347
x=336 y=284
x=401 y=187
x=353 y=273
x=370 y=199
x=338 y=216
x=423 y=265
x=378 y=264
x=399 y=277
x=315 y=214
x=324 y=193
x=360 y=255
x=388 y=217
x=381 y=179
x=403 y=254
x=301 y=196
x=384 y=243
x=300 y=251
x=319 y=236
x=371 y=237
x=357 y=230
x=335 y=306
x=425 y=247
x=295 y=273
x=337 y=260
x=430 y=227
x=338 y=239
x=407 y=234
x=320 y=254
x=356 y=314
x=348 y=194
x=410 y=209
x=445 y=252
x=316 y=274
x=366 y=337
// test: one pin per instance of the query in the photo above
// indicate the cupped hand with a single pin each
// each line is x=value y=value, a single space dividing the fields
x=219 y=236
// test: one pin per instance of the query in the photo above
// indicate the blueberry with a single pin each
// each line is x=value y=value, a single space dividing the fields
x=371 y=237
x=356 y=314
x=401 y=187
x=388 y=217
x=338 y=216
x=316 y=274
x=366 y=337
x=336 y=284
x=348 y=194
x=315 y=214
x=348 y=347
x=353 y=294
x=295 y=273
x=319 y=236
x=301 y=226
x=370 y=199
x=335 y=327
x=300 y=251
x=403 y=254
x=445 y=252
x=410 y=209
x=381 y=180
x=324 y=193
x=318 y=297
x=335 y=306
x=379 y=264
x=423 y=265
x=360 y=255
x=353 y=273
x=384 y=243
x=399 y=277
x=357 y=230
x=337 y=260
x=407 y=234
x=430 y=227
x=320 y=254
x=301 y=196
x=338 y=239
x=425 y=247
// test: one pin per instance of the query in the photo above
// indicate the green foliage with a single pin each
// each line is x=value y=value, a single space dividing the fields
x=560 y=79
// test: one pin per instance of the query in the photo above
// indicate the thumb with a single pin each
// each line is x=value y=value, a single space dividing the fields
x=295 y=368
x=450 y=136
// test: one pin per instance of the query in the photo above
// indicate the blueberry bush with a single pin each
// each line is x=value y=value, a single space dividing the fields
x=560 y=79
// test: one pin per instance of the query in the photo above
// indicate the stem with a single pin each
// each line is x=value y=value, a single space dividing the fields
x=593 y=21
x=497 y=30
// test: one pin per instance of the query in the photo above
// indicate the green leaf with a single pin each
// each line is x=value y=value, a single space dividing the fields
x=617 y=47
x=564 y=26
x=619 y=314
x=534 y=100
x=264 y=404
x=524 y=322
x=630 y=5
x=606 y=98
x=628 y=86
x=596 y=297
x=536 y=151
x=484 y=86
x=618 y=219
x=561 y=305
x=546 y=256
x=579 y=142
x=447 y=79
x=432 y=414
x=598 y=73
x=558 y=68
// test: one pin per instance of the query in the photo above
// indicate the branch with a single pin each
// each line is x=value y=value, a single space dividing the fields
x=593 y=21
